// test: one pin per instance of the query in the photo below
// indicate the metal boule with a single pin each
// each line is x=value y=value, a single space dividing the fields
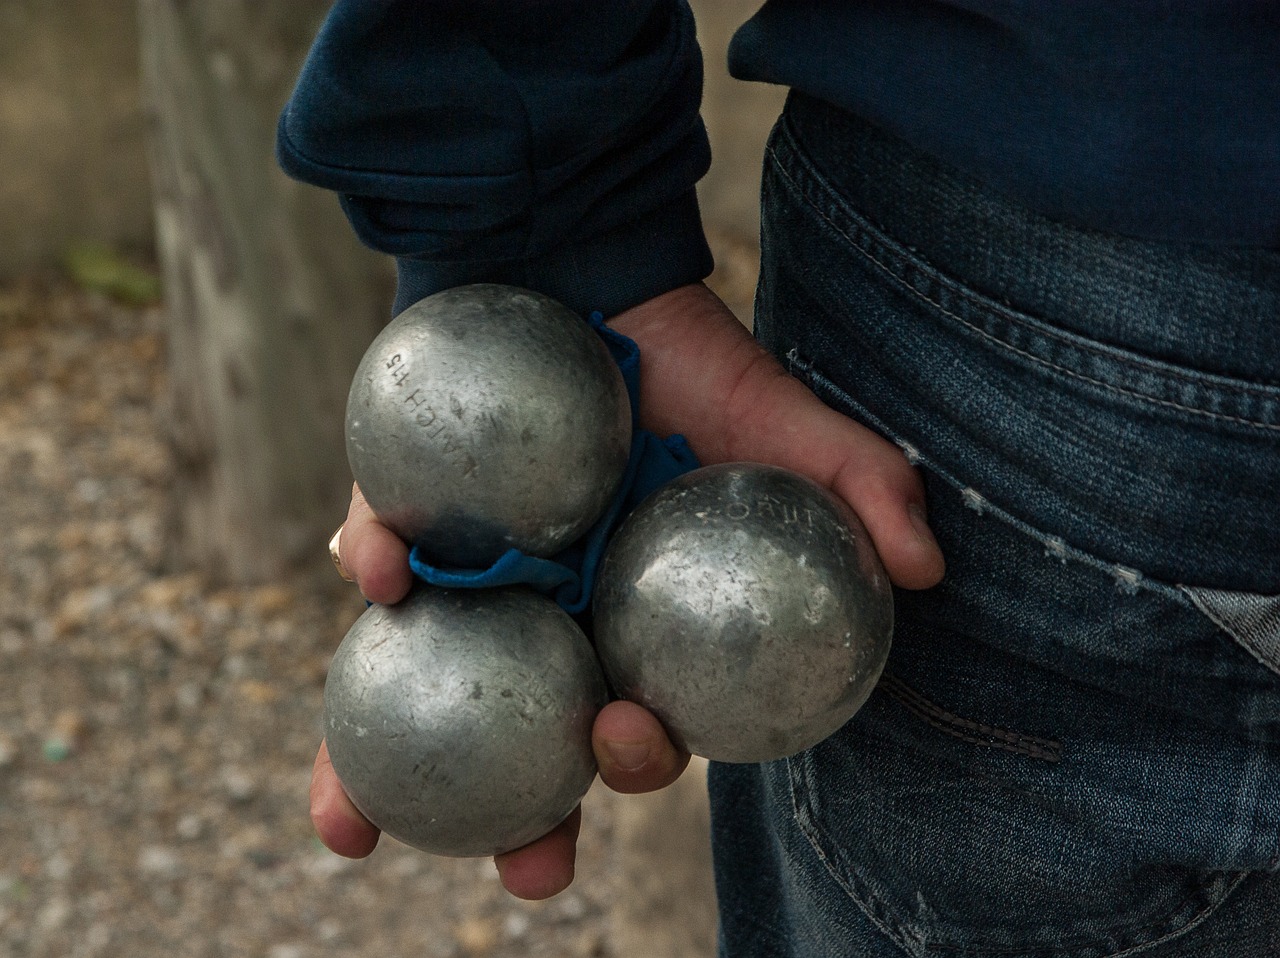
x=488 y=417
x=459 y=721
x=745 y=606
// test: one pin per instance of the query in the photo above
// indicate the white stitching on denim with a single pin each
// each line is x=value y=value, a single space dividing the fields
x=973 y=500
x=1014 y=349
x=1127 y=580
x=911 y=452
x=793 y=360
x=1130 y=581
x=1056 y=548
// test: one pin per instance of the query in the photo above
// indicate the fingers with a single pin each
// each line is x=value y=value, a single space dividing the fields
x=888 y=497
x=886 y=492
x=337 y=822
x=633 y=751
x=634 y=755
x=775 y=419
x=538 y=870
x=375 y=556
x=545 y=867
x=706 y=377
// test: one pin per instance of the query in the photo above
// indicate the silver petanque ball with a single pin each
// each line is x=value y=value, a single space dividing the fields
x=459 y=721
x=745 y=606
x=487 y=417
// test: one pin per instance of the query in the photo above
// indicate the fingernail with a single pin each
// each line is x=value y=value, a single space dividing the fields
x=921 y=525
x=628 y=756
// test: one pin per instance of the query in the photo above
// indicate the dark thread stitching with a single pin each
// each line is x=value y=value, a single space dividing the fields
x=886 y=918
x=975 y=733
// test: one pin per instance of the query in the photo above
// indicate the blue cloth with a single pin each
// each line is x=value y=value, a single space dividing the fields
x=570 y=576
x=1075 y=750
x=1151 y=119
x=553 y=146
x=556 y=145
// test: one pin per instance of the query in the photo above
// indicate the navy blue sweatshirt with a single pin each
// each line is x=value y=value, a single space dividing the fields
x=555 y=144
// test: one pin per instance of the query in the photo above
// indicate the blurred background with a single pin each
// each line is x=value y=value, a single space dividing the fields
x=178 y=326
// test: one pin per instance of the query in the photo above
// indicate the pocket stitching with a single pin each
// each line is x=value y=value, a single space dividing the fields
x=967 y=730
x=1126 y=579
x=1172 y=372
x=1067 y=339
x=885 y=917
x=879 y=913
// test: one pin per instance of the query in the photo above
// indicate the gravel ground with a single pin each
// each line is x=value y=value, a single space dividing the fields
x=156 y=733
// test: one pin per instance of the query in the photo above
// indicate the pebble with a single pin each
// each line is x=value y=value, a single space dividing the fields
x=189 y=696
x=58 y=867
x=324 y=864
x=82 y=607
x=189 y=827
x=516 y=924
x=65 y=736
x=258 y=692
x=97 y=938
x=159 y=861
x=238 y=784
x=269 y=601
x=37 y=791
x=53 y=914
x=91 y=490
x=156 y=744
x=236 y=666
x=476 y=936
x=570 y=906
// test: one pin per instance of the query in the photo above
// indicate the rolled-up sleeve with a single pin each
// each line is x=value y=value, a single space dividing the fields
x=553 y=144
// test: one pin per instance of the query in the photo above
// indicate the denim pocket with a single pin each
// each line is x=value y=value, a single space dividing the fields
x=1053 y=765
x=1077 y=751
x=1147 y=462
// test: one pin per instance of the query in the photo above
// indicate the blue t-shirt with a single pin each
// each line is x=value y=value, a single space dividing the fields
x=556 y=145
x=1152 y=119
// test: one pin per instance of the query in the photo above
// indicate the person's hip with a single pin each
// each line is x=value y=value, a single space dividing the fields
x=1075 y=749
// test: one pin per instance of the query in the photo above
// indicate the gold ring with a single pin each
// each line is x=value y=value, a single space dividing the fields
x=336 y=556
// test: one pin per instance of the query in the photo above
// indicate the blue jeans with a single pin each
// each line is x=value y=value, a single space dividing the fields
x=1075 y=750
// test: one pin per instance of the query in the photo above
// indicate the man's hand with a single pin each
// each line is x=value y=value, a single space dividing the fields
x=633 y=753
x=631 y=748
x=703 y=376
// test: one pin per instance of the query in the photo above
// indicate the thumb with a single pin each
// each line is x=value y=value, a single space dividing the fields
x=633 y=751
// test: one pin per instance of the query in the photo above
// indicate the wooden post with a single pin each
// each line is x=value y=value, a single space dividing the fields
x=271 y=299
